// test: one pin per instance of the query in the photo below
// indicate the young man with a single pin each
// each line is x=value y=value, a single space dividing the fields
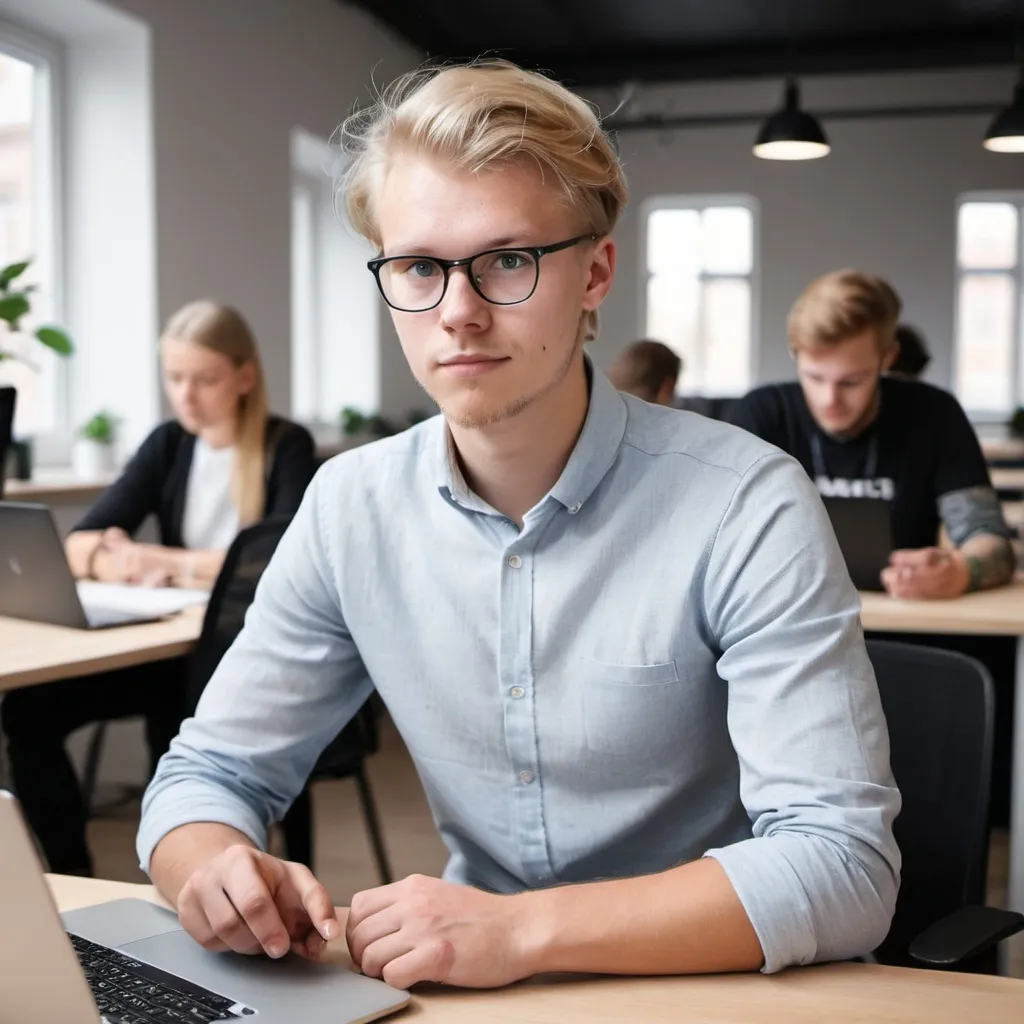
x=647 y=370
x=859 y=433
x=640 y=763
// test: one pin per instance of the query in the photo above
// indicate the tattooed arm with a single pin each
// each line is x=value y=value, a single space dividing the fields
x=983 y=557
x=974 y=521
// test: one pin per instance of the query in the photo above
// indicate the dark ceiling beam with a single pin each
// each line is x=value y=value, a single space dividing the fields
x=665 y=122
x=597 y=66
x=416 y=22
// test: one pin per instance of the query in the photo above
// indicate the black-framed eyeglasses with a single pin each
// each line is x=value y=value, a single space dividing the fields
x=503 y=277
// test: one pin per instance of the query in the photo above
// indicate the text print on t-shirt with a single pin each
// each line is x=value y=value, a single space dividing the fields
x=883 y=488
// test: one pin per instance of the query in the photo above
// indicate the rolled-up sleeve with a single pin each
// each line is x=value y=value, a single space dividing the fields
x=819 y=878
x=283 y=691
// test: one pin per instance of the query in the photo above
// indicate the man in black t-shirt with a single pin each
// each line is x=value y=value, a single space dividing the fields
x=860 y=434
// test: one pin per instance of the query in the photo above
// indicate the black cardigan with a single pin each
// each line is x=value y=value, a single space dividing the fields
x=155 y=480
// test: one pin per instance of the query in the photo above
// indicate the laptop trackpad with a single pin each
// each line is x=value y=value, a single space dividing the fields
x=120 y=921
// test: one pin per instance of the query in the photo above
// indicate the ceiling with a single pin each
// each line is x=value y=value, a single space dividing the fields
x=602 y=42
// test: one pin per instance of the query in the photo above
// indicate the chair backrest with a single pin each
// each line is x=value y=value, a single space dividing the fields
x=939 y=706
x=7 y=400
x=233 y=592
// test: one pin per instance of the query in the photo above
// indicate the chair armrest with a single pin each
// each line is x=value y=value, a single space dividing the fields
x=963 y=934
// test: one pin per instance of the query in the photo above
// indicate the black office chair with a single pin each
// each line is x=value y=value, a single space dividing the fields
x=939 y=706
x=8 y=396
x=345 y=756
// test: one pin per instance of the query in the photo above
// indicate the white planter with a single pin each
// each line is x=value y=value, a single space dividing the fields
x=92 y=460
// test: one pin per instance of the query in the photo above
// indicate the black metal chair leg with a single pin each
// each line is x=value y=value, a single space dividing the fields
x=380 y=853
x=297 y=827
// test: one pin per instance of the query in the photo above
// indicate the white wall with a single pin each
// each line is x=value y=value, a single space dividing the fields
x=883 y=200
x=231 y=79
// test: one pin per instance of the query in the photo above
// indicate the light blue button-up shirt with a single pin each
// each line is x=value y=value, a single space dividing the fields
x=665 y=662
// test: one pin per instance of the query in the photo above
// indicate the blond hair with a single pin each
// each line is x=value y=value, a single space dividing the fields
x=843 y=304
x=477 y=117
x=223 y=329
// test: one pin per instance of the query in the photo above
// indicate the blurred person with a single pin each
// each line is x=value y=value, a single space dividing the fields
x=648 y=370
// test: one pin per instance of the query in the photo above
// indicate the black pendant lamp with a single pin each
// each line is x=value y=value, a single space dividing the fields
x=1006 y=133
x=791 y=133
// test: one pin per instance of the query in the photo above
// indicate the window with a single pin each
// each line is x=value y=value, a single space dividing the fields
x=335 y=356
x=989 y=329
x=26 y=225
x=700 y=288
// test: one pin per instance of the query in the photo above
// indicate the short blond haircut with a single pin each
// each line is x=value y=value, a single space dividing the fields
x=841 y=305
x=477 y=117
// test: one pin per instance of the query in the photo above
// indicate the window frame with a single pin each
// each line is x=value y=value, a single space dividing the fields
x=1016 y=199
x=43 y=53
x=701 y=201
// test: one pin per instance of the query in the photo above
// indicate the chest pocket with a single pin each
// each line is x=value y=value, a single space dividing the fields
x=631 y=709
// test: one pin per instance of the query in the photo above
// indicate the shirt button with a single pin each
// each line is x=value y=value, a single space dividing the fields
x=517 y=692
x=573 y=509
x=526 y=778
x=515 y=561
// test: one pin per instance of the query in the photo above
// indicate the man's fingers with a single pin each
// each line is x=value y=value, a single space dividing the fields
x=194 y=920
x=372 y=929
x=369 y=902
x=379 y=954
x=315 y=900
x=432 y=961
x=227 y=923
x=247 y=889
x=916 y=558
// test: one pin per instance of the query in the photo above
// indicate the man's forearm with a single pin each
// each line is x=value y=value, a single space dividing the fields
x=687 y=920
x=184 y=849
x=990 y=559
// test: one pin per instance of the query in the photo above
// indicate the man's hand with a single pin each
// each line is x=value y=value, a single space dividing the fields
x=250 y=902
x=424 y=929
x=926 y=573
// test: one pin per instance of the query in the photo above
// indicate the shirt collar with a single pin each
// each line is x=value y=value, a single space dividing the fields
x=591 y=458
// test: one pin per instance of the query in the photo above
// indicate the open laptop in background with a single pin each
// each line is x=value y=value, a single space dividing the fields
x=863 y=527
x=36 y=581
x=130 y=962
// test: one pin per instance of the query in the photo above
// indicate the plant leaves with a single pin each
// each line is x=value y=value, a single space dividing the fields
x=54 y=338
x=11 y=271
x=12 y=308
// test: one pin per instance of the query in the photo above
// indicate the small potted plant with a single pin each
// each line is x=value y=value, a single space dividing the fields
x=92 y=456
x=16 y=304
x=1017 y=422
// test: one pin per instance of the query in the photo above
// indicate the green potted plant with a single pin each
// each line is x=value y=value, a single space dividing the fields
x=1017 y=422
x=15 y=305
x=92 y=456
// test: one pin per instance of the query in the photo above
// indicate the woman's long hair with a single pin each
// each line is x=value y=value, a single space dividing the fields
x=224 y=330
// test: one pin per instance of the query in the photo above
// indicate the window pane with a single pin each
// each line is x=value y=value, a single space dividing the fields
x=727 y=240
x=726 y=336
x=673 y=242
x=984 y=341
x=18 y=178
x=672 y=314
x=987 y=236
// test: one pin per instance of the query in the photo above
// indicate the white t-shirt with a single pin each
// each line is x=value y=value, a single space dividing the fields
x=210 y=522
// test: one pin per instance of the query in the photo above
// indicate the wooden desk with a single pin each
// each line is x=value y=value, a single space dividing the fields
x=33 y=652
x=1003 y=447
x=1004 y=480
x=837 y=993
x=48 y=487
x=990 y=613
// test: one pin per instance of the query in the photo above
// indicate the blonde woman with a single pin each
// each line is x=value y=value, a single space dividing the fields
x=221 y=464
x=617 y=639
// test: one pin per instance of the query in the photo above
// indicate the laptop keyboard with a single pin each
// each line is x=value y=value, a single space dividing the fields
x=129 y=992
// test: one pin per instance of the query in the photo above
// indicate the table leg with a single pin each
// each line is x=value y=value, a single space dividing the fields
x=1012 y=951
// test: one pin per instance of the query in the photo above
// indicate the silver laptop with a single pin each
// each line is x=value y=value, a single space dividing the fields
x=130 y=962
x=36 y=581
